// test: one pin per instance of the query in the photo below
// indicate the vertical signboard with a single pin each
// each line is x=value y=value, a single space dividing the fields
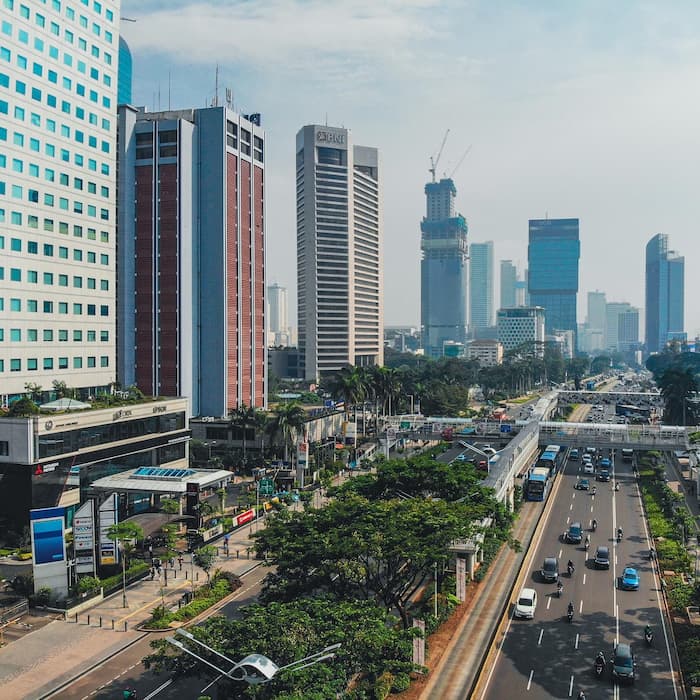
x=192 y=498
x=84 y=538
x=302 y=461
x=350 y=432
x=108 y=516
x=48 y=534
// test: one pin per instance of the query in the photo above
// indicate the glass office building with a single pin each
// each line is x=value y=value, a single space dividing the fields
x=480 y=286
x=665 y=295
x=444 y=270
x=553 y=254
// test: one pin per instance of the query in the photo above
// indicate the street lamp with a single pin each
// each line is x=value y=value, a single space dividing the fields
x=254 y=669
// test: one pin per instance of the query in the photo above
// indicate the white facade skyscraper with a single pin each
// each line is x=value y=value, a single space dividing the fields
x=277 y=304
x=339 y=252
x=480 y=286
x=58 y=95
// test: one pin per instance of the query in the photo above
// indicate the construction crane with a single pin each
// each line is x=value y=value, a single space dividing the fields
x=459 y=162
x=434 y=161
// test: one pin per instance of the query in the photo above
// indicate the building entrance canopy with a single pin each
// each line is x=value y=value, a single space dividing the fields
x=160 y=480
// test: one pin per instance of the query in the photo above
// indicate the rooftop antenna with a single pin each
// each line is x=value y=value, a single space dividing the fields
x=434 y=161
x=326 y=118
x=216 y=88
x=169 y=81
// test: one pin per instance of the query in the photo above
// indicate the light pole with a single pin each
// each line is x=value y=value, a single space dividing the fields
x=436 y=589
x=125 y=604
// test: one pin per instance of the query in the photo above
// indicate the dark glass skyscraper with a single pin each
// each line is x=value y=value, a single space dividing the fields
x=443 y=269
x=665 y=284
x=125 y=73
x=553 y=253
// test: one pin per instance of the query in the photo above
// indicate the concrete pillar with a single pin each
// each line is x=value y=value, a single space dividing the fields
x=470 y=565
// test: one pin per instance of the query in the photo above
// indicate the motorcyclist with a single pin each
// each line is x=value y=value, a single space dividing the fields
x=600 y=659
x=570 y=566
x=595 y=524
x=570 y=609
x=619 y=533
x=648 y=632
x=581 y=695
x=593 y=490
x=560 y=588
x=588 y=541
x=617 y=486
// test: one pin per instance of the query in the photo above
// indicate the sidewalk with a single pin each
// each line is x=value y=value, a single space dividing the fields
x=62 y=649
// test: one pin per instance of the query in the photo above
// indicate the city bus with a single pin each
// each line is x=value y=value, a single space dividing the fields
x=550 y=458
x=536 y=484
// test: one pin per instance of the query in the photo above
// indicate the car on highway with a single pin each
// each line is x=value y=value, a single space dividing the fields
x=526 y=605
x=630 y=579
x=574 y=534
x=550 y=569
x=573 y=454
x=602 y=558
x=587 y=459
x=623 y=663
x=591 y=451
x=588 y=468
x=603 y=475
x=582 y=485
x=605 y=463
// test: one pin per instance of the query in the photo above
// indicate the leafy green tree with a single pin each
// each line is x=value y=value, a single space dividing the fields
x=349 y=385
x=125 y=533
x=678 y=385
x=204 y=558
x=286 y=424
x=23 y=407
x=371 y=646
x=241 y=419
x=383 y=550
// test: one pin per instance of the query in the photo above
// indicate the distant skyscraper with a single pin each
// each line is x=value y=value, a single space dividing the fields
x=509 y=278
x=444 y=270
x=58 y=241
x=192 y=257
x=665 y=286
x=522 y=325
x=553 y=255
x=613 y=310
x=277 y=300
x=480 y=286
x=628 y=330
x=339 y=252
x=595 y=317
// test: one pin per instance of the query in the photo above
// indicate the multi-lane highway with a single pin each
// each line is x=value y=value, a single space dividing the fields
x=548 y=657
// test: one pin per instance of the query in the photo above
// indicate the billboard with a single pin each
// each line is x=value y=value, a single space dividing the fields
x=108 y=516
x=49 y=565
x=84 y=538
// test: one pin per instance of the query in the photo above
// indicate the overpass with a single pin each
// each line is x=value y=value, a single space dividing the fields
x=638 y=437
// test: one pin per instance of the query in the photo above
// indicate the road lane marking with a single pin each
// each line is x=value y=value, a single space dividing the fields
x=584 y=579
x=571 y=686
x=549 y=602
x=571 y=507
x=568 y=517
x=573 y=495
x=158 y=689
x=539 y=639
x=529 y=680
x=560 y=553
x=576 y=642
x=580 y=607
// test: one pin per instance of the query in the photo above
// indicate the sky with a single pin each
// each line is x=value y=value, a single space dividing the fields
x=586 y=109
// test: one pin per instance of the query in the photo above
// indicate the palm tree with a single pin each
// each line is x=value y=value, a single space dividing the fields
x=124 y=532
x=287 y=422
x=349 y=384
x=245 y=417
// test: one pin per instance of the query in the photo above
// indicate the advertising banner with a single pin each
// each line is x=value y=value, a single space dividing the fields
x=246 y=517
x=350 y=432
x=84 y=538
x=49 y=565
x=108 y=516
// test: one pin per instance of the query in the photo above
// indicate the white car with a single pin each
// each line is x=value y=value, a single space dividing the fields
x=526 y=604
x=588 y=468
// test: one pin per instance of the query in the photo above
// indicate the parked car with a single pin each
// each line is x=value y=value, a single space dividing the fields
x=630 y=579
x=602 y=558
x=550 y=569
x=623 y=664
x=526 y=604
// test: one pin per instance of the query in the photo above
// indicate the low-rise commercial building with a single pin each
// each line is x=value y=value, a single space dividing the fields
x=488 y=352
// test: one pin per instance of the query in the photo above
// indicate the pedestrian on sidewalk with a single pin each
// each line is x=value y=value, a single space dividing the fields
x=150 y=551
x=179 y=561
x=153 y=573
x=171 y=563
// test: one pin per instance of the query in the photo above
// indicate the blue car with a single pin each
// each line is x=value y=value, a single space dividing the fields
x=630 y=579
x=605 y=463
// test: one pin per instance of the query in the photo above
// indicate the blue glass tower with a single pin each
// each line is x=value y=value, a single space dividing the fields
x=444 y=269
x=665 y=284
x=125 y=73
x=553 y=253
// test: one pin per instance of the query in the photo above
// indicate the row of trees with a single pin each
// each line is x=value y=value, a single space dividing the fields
x=676 y=373
x=343 y=573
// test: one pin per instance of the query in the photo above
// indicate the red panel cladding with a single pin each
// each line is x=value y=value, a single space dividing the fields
x=168 y=282
x=231 y=254
x=246 y=320
x=143 y=297
x=259 y=292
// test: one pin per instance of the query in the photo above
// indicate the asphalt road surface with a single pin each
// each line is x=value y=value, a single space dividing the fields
x=125 y=670
x=548 y=657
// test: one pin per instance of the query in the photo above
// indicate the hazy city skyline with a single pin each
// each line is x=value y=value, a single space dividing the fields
x=572 y=111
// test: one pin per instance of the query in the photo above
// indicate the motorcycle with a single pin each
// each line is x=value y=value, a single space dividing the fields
x=648 y=636
x=570 y=614
x=560 y=589
x=619 y=535
x=570 y=569
x=617 y=487
x=594 y=525
x=588 y=544
x=599 y=667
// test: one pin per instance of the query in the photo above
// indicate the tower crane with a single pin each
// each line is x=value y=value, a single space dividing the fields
x=435 y=160
x=460 y=161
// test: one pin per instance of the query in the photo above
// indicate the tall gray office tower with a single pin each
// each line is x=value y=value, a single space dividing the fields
x=443 y=270
x=509 y=278
x=339 y=252
x=277 y=304
x=480 y=286
x=595 y=318
x=665 y=283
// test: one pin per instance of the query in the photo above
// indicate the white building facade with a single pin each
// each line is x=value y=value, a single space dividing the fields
x=58 y=94
x=520 y=325
x=339 y=252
